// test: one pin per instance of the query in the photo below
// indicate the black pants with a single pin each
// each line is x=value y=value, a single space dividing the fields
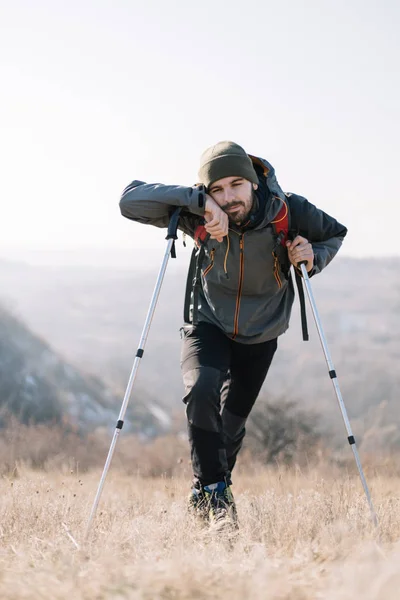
x=222 y=380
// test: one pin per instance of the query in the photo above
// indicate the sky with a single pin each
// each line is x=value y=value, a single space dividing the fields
x=96 y=93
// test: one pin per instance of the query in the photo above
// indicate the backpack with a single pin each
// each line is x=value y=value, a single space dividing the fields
x=282 y=231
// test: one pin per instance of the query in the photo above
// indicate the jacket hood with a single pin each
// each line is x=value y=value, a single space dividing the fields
x=270 y=195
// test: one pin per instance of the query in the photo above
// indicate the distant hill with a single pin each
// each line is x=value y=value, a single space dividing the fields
x=38 y=386
x=94 y=316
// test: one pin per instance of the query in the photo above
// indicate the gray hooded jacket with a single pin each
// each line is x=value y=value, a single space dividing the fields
x=244 y=292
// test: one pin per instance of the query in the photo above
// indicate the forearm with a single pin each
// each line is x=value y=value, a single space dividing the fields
x=151 y=203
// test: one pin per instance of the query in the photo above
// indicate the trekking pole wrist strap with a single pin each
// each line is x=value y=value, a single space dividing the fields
x=173 y=224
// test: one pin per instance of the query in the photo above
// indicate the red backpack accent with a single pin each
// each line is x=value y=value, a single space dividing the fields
x=200 y=235
x=281 y=224
x=281 y=230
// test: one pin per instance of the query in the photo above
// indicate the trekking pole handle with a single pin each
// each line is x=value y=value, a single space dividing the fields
x=302 y=266
x=173 y=224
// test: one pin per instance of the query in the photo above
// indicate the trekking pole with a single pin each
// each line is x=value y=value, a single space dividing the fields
x=333 y=376
x=171 y=237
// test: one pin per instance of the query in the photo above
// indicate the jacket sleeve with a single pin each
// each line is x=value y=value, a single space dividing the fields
x=151 y=203
x=323 y=231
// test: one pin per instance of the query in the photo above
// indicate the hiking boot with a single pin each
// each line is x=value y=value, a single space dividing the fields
x=221 y=506
x=197 y=504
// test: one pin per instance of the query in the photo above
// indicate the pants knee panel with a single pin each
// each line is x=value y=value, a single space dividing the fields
x=202 y=397
x=234 y=426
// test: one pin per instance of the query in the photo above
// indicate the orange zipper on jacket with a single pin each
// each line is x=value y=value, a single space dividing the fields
x=240 y=286
x=276 y=269
x=210 y=266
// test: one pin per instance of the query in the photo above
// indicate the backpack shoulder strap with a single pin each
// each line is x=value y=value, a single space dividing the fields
x=283 y=231
x=193 y=280
x=189 y=286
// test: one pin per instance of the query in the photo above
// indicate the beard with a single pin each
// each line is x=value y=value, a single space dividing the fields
x=240 y=216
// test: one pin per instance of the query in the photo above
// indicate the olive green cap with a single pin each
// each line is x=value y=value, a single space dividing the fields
x=225 y=159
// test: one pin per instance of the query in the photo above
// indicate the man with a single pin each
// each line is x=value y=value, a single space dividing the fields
x=244 y=300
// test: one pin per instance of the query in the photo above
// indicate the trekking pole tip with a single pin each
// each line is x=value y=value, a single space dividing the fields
x=70 y=536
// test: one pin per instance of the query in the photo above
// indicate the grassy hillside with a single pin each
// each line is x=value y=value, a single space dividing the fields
x=303 y=536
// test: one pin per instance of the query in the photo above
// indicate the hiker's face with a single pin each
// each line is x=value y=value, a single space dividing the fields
x=235 y=196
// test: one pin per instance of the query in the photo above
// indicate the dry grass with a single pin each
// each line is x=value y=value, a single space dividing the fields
x=302 y=537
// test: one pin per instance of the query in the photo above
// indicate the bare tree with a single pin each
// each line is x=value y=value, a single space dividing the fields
x=280 y=430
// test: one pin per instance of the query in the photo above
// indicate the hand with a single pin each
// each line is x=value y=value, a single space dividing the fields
x=217 y=221
x=301 y=249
